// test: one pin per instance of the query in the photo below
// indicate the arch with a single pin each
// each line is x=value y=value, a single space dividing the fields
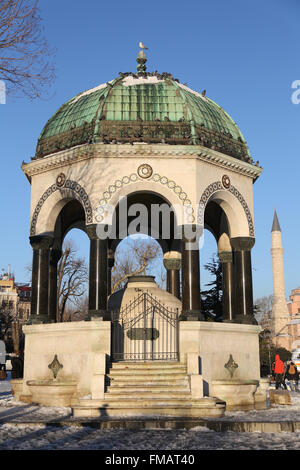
x=71 y=216
x=162 y=185
x=233 y=204
x=70 y=190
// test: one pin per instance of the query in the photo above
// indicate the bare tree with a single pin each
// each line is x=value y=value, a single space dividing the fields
x=25 y=56
x=263 y=307
x=79 y=311
x=71 y=280
x=140 y=256
x=7 y=320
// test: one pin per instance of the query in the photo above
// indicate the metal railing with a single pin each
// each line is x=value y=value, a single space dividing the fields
x=144 y=330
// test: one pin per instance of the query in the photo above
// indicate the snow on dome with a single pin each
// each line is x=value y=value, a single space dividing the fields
x=131 y=81
x=88 y=92
x=192 y=91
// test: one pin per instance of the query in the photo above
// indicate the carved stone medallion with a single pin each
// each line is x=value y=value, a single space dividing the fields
x=60 y=180
x=145 y=171
x=226 y=181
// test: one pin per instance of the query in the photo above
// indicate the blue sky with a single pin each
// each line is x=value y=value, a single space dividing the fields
x=244 y=53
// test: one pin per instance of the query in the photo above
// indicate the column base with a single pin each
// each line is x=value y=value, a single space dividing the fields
x=38 y=320
x=102 y=315
x=191 y=315
x=243 y=320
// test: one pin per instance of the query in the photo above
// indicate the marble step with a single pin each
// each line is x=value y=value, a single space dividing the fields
x=176 y=378
x=146 y=402
x=148 y=386
x=147 y=365
x=205 y=407
x=146 y=391
x=145 y=372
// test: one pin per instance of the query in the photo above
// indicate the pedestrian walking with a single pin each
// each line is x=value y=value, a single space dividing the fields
x=273 y=371
x=292 y=375
x=2 y=355
x=17 y=362
x=2 y=360
x=279 y=373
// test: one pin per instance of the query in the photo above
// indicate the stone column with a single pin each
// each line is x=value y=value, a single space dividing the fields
x=228 y=285
x=110 y=265
x=54 y=257
x=190 y=274
x=243 y=303
x=97 y=275
x=172 y=263
x=40 y=278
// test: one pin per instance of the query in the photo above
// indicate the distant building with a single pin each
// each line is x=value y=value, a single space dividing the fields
x=15 y=306
x=294 y=310
x=8 y=292
x=292 y=328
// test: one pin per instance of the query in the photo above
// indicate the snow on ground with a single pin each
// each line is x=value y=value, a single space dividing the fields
x=32 y=434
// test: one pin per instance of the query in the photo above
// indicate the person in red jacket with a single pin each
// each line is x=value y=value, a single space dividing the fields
x=279 y=372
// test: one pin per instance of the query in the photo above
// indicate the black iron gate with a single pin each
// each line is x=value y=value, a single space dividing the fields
x=145 y=330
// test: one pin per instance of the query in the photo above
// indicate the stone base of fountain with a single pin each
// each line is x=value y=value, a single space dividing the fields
x=238 y=394
x=52 y=392
x=260 y=396
x=16 y=388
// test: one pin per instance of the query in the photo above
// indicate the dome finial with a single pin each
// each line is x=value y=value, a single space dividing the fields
x=141 y=59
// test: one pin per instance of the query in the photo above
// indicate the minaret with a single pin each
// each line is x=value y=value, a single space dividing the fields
x=280 y=313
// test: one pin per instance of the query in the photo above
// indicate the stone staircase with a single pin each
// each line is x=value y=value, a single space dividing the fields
x=148 y=389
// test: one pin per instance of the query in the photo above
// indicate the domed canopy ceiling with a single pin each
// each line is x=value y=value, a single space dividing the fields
x=143 y=107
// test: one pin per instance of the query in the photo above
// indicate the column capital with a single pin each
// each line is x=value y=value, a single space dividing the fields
x=91 y=231
x=172 y=260
x=242 y=243
x=98 y=231
x=41 y=242
x=225 y=256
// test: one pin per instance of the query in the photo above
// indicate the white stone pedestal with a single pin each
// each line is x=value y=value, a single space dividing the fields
x=81 y=347
x=214 y=344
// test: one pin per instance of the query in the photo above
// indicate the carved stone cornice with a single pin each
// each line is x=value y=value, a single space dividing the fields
x=138 y=150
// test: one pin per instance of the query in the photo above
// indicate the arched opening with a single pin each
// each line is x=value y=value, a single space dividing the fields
x=217 y=299
x=148 y=214
x=72 y=277
x=225 y=218
x=137 y=255
x=211 y=277
x=57 y=268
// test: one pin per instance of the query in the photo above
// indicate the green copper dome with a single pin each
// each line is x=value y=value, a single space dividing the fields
x=149 y=108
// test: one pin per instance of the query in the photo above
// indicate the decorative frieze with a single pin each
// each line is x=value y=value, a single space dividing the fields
x=100 y=150
x=133 y=178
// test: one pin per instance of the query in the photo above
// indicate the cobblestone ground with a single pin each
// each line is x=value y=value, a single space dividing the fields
x=22 y=428
x=34 y=437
